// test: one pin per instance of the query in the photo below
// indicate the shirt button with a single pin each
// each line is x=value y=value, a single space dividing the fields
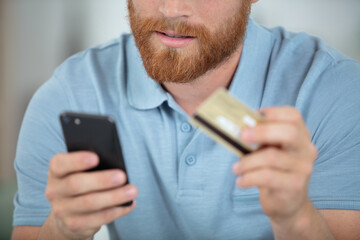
x=190 y=160
x=186 y=127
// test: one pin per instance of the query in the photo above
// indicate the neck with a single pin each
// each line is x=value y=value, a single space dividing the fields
x=190 y=95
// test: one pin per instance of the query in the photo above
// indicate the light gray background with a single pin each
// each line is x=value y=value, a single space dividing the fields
x=37 y=35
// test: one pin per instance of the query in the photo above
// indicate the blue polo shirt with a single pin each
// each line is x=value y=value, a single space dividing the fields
x=186 y=186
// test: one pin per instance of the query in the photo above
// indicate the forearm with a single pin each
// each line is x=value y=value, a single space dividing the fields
x=308 y=225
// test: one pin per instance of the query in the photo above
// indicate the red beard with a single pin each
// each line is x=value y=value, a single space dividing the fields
x=173 y=65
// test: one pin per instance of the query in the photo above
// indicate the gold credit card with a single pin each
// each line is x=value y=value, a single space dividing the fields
x=223 y=118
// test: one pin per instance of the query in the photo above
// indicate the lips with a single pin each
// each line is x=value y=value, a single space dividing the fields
x=172 y=34
x=174 y=40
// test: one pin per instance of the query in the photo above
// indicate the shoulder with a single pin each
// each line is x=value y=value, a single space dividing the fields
x=307 y=63
x=305 y=51
x=102 y=58
x=89 y=79
x=321 y=82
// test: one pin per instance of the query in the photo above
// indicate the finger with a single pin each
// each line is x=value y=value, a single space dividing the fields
x=282 y=114
x=66 y=163
x=272 y=179
x=285 y=135
x=85 y=182
x=94 y=220
x=94 y=202
x=271 y=158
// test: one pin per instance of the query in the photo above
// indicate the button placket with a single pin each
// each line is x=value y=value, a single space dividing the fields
x=190 y=160
x=185 y=127
x=189 y=171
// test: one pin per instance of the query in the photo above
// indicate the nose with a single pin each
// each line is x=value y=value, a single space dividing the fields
x=175 y=8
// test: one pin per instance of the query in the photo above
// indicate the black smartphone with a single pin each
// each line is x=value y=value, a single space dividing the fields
x=95 y=133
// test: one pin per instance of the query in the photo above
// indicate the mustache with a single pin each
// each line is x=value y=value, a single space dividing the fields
x=181 y=27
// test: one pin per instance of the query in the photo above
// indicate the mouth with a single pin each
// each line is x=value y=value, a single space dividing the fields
x=174 y=40
x=172 y=34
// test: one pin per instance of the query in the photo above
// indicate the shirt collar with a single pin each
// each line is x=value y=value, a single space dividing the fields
x=248 y=83
x=142 y=91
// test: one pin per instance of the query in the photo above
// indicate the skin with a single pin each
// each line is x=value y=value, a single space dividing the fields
x=81 y=202
x=281 y=170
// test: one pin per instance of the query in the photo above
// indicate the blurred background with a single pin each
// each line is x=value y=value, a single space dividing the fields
x=36 y=36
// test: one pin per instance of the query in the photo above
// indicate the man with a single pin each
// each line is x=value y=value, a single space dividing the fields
x=303 y=184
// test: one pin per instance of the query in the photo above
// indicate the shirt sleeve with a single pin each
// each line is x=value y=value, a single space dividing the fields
x=39 y=140
x=332 y=113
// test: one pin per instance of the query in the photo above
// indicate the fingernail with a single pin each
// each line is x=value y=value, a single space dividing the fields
x=248 y=135
x=90 y=160
x=130 y=192
x=118 y=178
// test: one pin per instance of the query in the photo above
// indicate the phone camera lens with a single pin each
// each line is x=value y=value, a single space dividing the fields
x=77 y=121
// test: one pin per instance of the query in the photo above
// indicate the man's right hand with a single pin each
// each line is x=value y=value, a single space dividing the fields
x=82 y=202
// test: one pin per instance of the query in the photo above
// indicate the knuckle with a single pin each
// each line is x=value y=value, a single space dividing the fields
x=298 y=184
x=295 y=115
x=67 y=222
x=314 y=152
x=58 y=211
x=56 y=165
x=53 y=165
x=50 y=193
x=73 y=224
x=308 y=168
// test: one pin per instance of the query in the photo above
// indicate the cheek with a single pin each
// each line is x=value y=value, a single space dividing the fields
x=204 y=9
x=146 y=8
x=214 y=12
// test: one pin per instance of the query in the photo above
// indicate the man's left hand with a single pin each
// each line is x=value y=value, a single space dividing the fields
x=281 y=169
